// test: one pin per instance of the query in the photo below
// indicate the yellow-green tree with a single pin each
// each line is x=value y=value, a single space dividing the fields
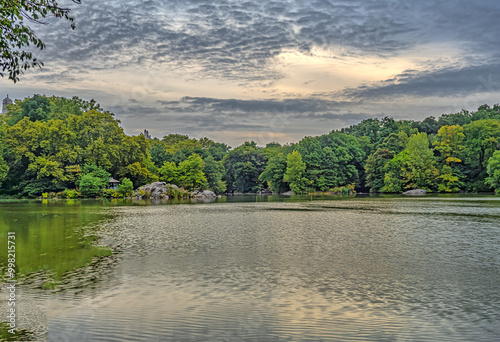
x=419 y=170
x=295 y=168
x=449 y=143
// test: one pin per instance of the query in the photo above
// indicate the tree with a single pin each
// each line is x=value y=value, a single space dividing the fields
x=138 y=173
x=449 y=144
x=90 y=186
x=158 y=153
x=429 y=125
x=243 y=167
x=214 y=171
x=191 y=174
x=482 y=138
x=125 y=187
x=393 y=173
x=332 y=160
x=16 y=36
x=4 y=167
x=419 y=169
x=376 y=165
x=374 y=168
x=169 y=173
x=494 y=171
x=274 y=172
x=295 y=168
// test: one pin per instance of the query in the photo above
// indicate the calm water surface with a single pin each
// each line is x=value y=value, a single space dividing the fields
x=352 y=269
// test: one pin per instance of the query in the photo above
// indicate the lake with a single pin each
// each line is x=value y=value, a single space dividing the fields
x=383 y=268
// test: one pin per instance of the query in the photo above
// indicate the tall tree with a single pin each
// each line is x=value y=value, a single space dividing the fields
x=191 y=173
x=420 y=168
x=448 y=143
x=482 y=138
x=243 y=167
x=274 y=172
x=295 y=168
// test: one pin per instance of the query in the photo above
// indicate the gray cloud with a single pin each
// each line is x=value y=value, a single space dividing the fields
x=443 y=83
x=238 y=39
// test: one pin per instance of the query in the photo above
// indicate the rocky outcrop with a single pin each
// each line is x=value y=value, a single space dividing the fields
x=415 y=192
x=204 y=194
x=287 y=193
x=156 y=190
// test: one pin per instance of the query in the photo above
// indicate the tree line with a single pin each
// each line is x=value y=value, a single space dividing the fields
x=73 y=147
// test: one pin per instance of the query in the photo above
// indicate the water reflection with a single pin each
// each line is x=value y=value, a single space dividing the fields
x=367 y=269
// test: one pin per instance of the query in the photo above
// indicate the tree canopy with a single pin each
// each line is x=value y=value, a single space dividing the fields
x=17 y=37
x=51 y=144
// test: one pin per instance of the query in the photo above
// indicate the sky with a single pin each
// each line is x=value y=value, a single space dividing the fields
x=235 y=71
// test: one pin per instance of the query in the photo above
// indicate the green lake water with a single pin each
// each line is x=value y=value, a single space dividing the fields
x=251 y=268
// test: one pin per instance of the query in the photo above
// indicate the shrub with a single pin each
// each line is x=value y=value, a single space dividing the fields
x=126 y=187
x=90 y=186
x=71 y=193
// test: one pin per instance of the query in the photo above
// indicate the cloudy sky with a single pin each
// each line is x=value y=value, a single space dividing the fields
x=236 y=70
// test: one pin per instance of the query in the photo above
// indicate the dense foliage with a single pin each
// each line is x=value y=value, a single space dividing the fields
x=53 y=144
x=17 y=38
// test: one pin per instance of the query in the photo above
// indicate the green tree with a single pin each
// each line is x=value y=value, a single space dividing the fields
x=4 y=167
x=419 y=169
x=450 y=179
x=243 y=167
x=332 y=160
x=295 y=168
x=94 y=180
x=375 y=169
x=481 y=140
x=138 y=173
x=191 y=174
x=429 y=125
x=90 y=186
x=393 y=173
x=274 y=172
x=158 y=153
x=376 y=164
x=126 y=187
x=169 y=173
x=494 y=171
x=173 y=139
x=15 y=52
x=214 y=171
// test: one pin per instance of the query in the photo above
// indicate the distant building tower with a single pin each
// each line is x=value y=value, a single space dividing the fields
x=7 y=101
x=146 y=134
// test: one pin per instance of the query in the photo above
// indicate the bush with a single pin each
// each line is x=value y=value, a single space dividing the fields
x=110 y=193
x=70 y=193
x=90 y=186
x=126 y=187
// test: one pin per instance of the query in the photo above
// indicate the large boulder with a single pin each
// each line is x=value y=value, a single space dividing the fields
x=415 y=192
x=156 y=190
x=205 y=194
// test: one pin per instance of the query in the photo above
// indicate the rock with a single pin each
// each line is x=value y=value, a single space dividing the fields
x=415 y=192
x=265 y=192
x=288 y=193
x=156 y=190
x=205 y=194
